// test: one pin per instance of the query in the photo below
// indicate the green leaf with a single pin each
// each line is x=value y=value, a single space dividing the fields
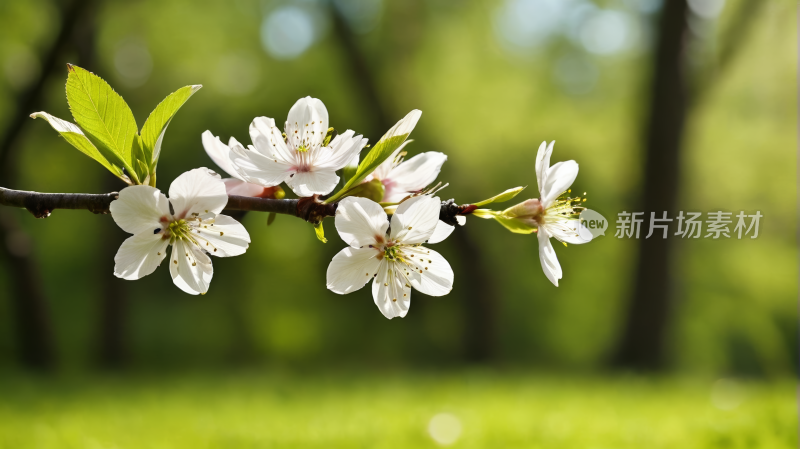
x=271 y=218
x=75 y=137
x=102 y=114
x=373 y=190
x=320 y=232
x=382 y=150
x=156 y=124
x=515 y=225
x=505 y=196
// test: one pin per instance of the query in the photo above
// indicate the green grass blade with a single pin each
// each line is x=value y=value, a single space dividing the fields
x=156 y=124
x=382 y=150
x=102 y=114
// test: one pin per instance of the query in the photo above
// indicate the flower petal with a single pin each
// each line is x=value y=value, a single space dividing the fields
x=140 y=255
x=569 y=231
x=547 y=257
x=307 y=123
x=351 y=268
x=225 y=238
x=542 y=164
x=414 y=175
x=341 y=151
x=139 y=209
x=442 y=231
x=433 y=275
x=360 y=221
x=190 y=268
x=218 y=152
x=197 y=192
x=238 y=187
x=415 y=219
x=318 y=182
x=256 y=168
x=559 y=178
x=391 y=292
x=268 y=139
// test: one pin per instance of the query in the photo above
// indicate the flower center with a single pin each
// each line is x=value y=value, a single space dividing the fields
x=303 y=148
x=566 y=207
x=391 y=251
x=179 y=230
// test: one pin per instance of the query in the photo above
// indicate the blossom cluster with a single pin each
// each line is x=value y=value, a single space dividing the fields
x=309 y=157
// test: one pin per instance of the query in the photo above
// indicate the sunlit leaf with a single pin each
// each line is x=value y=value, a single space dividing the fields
x=156 y=124
x=505 y=196
x=382 y=150
x=75 y=137
x=102 y=114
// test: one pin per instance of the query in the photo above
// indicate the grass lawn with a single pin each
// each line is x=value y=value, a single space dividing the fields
x=394 y=410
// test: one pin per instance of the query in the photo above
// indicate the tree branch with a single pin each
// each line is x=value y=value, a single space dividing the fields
x=310 y=209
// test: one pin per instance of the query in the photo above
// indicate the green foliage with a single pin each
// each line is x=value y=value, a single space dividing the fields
x=103 y=115
x=373 y=190
x=505 y=196
x=320 y=232
x=107 y=131
x=156 y=124
x=75 y=137
x=382 y=150
x=392 y=409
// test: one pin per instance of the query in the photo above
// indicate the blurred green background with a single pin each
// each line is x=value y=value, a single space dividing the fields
x=493 y=78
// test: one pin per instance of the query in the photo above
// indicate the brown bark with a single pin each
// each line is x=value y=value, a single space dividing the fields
x=643 y=338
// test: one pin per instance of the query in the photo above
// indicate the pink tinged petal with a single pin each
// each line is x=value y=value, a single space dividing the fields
x=139 y=209
x=190 y=268
x=542 y=164
x=218 y=152
x=559 y=178
x=140 y=255
x=548 y=259
x=238 y=187
x=569 y=231
x=197 y=192
x=416 y=173
x=351 y=268
x=256 y=168
x=391 y=291
x=319 y=182
x=307 y=123
x=415 y=219
x=433 y=275
x=226 y=238
x=360 y=221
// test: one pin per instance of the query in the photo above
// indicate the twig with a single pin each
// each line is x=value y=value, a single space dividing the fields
x=310 y=209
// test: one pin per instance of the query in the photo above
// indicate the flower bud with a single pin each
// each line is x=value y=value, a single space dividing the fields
x=530 y=212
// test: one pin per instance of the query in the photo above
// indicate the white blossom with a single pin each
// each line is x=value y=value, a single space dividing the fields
x=220 y=154
x=189 y=221
x=401 y=178
x=393 y=256
x=555 y=212
x=301 y=158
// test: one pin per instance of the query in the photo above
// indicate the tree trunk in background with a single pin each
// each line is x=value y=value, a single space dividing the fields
x=480 y=308
x=642 y=341
x=112 y=349
x=36 y=346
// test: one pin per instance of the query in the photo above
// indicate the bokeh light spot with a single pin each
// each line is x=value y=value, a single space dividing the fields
x=445 y=429
x=287 y=32
x=606 y=32
x=727 y=394
x=707 y=9
x=133 y=62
